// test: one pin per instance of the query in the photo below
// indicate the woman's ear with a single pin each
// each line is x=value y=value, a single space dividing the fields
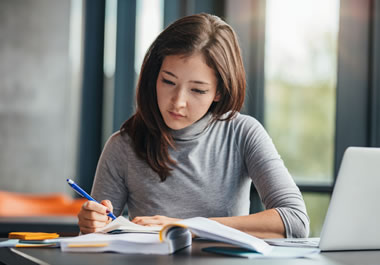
x=217 y=96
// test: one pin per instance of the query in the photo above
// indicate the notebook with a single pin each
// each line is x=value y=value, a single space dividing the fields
x=352 y=219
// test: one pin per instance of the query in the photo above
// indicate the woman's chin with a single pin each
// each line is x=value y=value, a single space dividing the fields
x=177 y=125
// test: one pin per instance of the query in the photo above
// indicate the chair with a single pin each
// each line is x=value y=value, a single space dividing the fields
x=14 y=204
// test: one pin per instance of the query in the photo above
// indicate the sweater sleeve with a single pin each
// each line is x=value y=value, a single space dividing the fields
x=271 y=178
x=109 y=182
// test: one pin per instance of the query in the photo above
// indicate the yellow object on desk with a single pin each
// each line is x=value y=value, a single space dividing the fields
x=32 y=235
x=35 y=245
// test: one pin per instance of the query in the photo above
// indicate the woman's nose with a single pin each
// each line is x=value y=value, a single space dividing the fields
x=179 y=98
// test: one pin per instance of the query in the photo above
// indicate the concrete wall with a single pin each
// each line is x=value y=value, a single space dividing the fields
x=37 y=144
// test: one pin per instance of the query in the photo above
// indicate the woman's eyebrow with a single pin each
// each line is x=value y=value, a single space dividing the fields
x=191 y=81
x=170 y=73
x=199 y=82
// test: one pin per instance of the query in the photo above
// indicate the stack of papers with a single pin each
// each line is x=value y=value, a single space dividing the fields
x=141 y=243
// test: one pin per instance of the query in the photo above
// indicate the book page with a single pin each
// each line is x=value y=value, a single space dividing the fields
x=122 y=224
x=209 y=229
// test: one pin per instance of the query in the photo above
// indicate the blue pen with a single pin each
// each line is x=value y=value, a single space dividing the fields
x=82 y=193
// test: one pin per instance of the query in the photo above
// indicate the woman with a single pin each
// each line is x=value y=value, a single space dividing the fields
x=187 y=151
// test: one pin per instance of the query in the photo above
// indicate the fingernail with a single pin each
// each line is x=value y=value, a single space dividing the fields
x=108 y=211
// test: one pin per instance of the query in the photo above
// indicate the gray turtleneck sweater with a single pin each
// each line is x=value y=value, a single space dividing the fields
x=215 y=167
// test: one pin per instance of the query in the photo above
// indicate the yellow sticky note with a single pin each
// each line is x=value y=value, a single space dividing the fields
x=32 y=235
x=28 y=245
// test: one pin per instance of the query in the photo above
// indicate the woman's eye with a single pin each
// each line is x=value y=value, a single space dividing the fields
x=199 y=91
x=166 y=81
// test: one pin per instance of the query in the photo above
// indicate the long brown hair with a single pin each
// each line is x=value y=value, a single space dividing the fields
x=217 y=41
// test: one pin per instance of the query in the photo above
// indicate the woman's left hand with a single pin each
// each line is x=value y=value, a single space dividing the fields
x=157 y=220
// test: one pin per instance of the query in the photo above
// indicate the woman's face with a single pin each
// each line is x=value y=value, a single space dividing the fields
x=186 y=88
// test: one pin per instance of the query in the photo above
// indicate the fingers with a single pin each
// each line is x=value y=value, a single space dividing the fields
x=147 y=220
x=88 y=226
x=93 y=216
x=157 y=220
x=94 y=206
x=108 y=204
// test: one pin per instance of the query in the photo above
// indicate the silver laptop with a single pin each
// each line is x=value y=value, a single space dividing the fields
x=353 y=218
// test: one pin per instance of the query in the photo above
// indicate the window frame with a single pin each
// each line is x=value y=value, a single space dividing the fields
x=355 y=34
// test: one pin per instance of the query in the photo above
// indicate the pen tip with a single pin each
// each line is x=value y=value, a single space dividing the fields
x=70 y=181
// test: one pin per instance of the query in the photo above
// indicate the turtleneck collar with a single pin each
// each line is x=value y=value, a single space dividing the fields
x=194 y=130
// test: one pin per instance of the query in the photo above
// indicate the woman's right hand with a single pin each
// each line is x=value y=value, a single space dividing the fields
x=93 y=216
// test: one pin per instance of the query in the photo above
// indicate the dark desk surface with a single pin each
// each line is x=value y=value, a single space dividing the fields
x=189 y=255
x=64 y=225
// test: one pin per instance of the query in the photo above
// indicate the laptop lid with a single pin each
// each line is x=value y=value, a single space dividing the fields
x=353 y=218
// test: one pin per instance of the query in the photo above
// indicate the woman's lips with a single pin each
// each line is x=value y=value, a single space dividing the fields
x=176 y=115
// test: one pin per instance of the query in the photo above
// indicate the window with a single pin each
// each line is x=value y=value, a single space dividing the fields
x=300 y=88
x=129 y=31
x=149 y=16
x=109 y=64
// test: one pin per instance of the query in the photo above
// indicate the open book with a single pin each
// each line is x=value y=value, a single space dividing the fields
x=171 y=238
